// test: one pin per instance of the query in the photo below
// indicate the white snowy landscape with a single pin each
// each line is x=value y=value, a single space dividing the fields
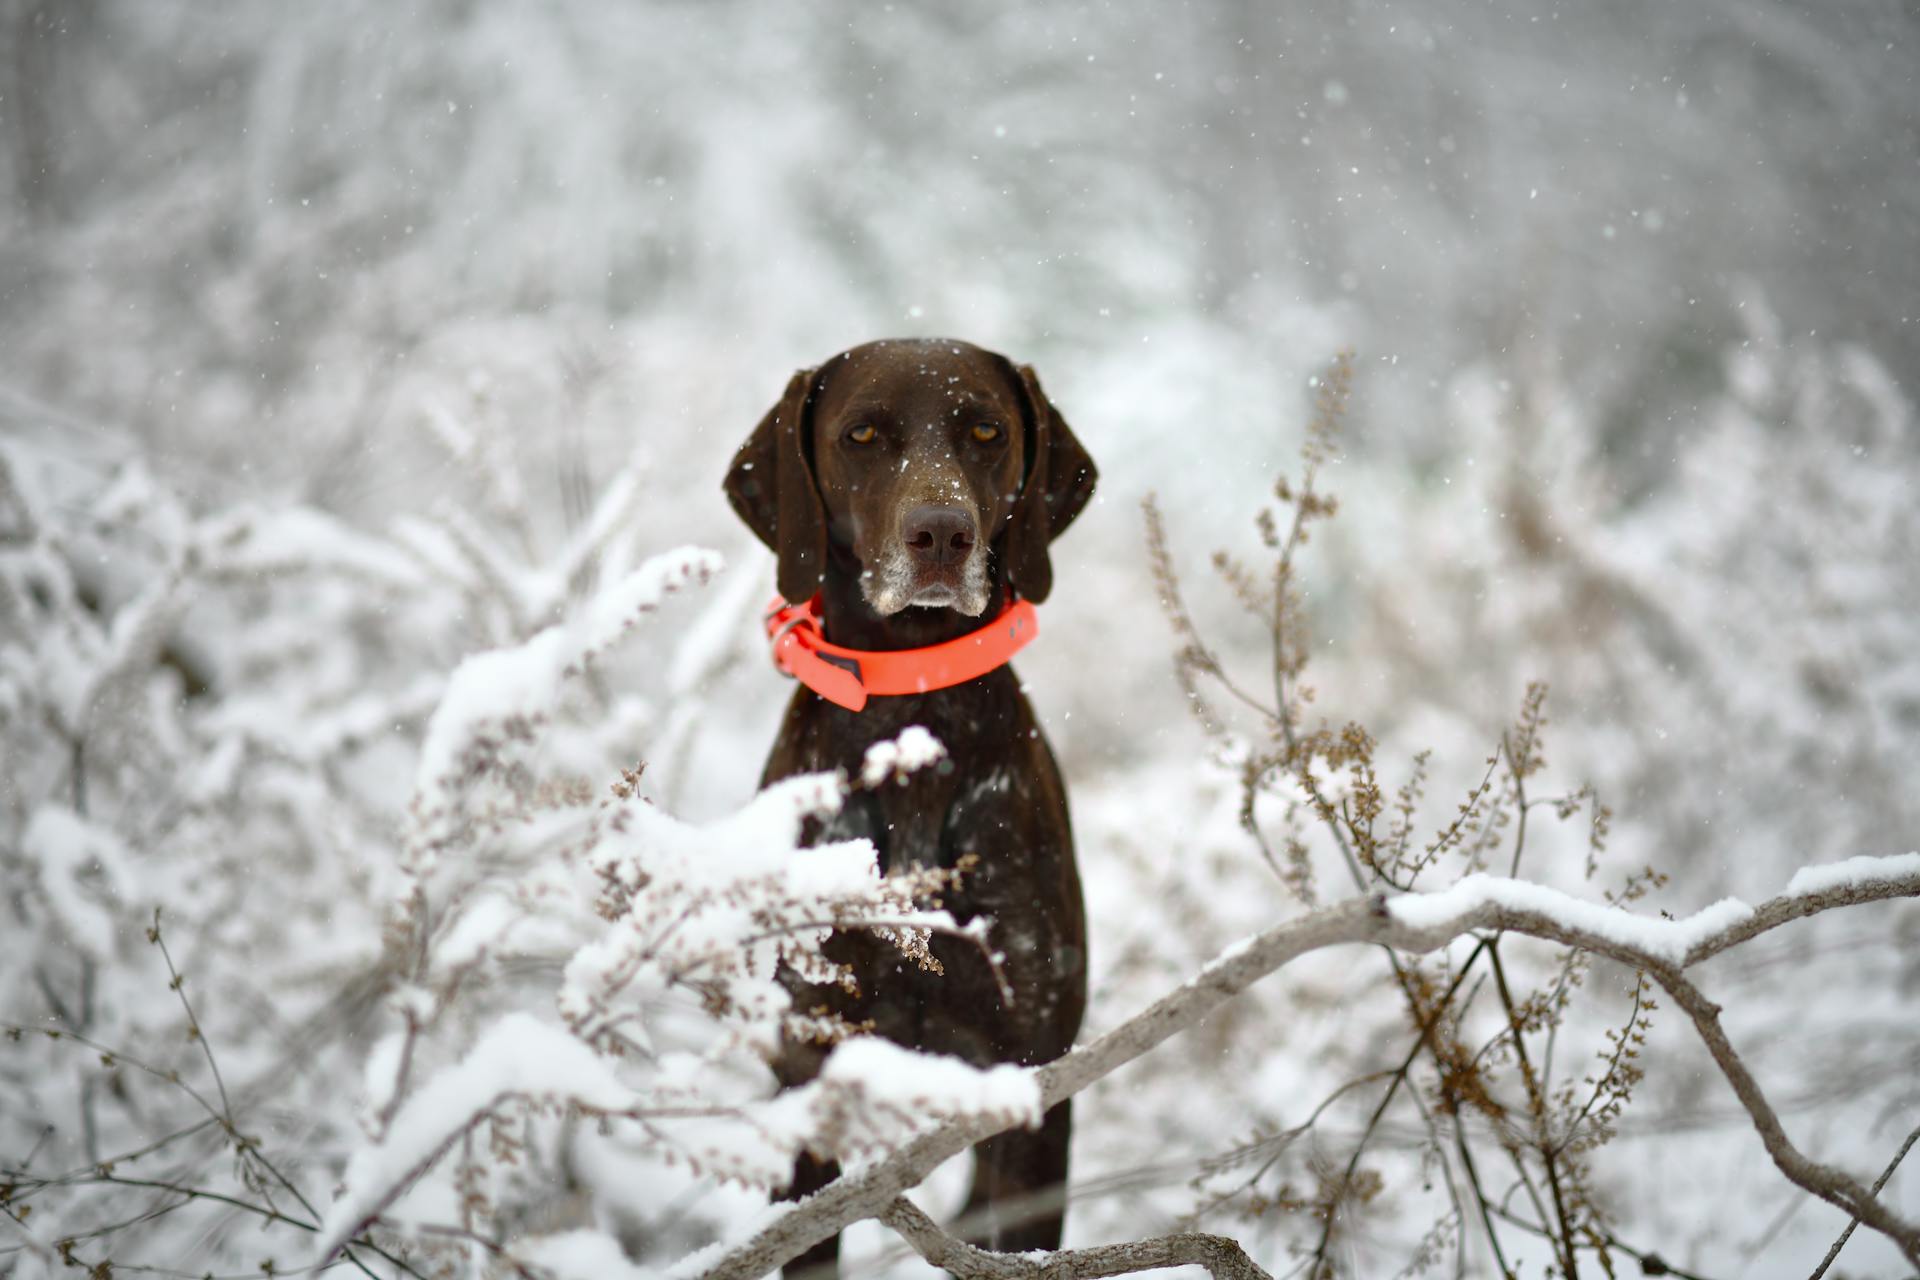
x=1492 y=753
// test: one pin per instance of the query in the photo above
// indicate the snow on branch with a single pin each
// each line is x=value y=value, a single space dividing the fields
x=643 y=915
x=519 y=1057
x=520 y=683
x=1412 y=922
x=502 y=696
x=872 y=1091
x=1841 y=877
x=1668 y=940
x=66 y=846
x=302 y=540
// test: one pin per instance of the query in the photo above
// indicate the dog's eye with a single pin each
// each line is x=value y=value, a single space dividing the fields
x=985 y=431
x=862 y=434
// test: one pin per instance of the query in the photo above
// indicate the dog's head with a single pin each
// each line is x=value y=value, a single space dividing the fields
x=929 y=460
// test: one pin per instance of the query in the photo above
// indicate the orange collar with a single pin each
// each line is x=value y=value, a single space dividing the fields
x=846 y=677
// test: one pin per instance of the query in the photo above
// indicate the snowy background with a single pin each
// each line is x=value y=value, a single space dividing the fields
x=338 y=344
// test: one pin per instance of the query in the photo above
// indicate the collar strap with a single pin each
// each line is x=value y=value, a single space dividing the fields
x=847 y=677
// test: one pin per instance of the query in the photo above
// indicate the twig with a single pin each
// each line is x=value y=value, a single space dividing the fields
x=178 y=984
x=1196 y=654
x=1879 y=1182
x=1614 y=1061
x=1422 y=1040
x=117 y=1056
x=1520 y=804
x=1279 y=1143
x=1537 y=1107
x=1446 y=1172
x=246 y=1148
x=1651 y=1263
x=1480 y=1198
x=190 y=1193
x=33 y=1244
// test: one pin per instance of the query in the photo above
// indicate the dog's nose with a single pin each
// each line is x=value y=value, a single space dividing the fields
x=938 y=535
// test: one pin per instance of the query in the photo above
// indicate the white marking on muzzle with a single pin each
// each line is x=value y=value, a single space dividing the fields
x=895 y=583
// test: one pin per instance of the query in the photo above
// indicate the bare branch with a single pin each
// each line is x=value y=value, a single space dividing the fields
x=1651 y=1263
x=1224 y=1259
x=1825 y=1181
x=1878 y=1183
x=1536 y=1101
x=177 y=982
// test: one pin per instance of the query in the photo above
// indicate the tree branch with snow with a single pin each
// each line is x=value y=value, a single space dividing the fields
x=1412 y=923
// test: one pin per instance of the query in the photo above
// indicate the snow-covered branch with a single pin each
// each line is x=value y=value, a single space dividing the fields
x=646 y=915
x=1415 y=923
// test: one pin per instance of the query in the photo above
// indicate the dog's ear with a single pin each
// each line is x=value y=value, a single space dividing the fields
x=771 y=487
x=1059 y=481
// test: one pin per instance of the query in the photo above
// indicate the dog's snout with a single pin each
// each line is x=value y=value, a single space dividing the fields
x=938 y=535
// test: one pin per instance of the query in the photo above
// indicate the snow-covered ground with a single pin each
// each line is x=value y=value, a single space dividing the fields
x=360 y=367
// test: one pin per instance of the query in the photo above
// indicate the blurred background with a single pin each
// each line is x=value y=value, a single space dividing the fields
x=1633 y=291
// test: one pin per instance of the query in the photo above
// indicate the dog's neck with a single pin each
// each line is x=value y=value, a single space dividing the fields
x=849 y=620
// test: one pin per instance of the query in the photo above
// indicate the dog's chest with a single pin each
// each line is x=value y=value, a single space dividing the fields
x=966 y=802
x=936 y=820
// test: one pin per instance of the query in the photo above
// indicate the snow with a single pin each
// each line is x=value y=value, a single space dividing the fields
x=872 y=1095
x=886 y=1075
x=717 y=900
x=85 y=871
x=489 y=689
x=299 y=538
x=615 y=611
x=1852 y=873
x=579 y=1253
x=518 y=1055
x=401 y=427
x=915 y=748
x=519 y=684
x=1668 y=940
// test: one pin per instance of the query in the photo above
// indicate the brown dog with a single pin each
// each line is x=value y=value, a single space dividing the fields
x=914 y=486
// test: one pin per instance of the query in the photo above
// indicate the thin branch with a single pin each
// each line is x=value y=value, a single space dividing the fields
x=1879 y=1182
x=1224 y=1259
x=1278 y=1144
x=1536 y=1106
x=15 y=1030
x=1520 y=804
x=1608 y=1072
x=178 y=983
x=1480 y=1198
x=1446 y=1172
x=1422 y=1040
x=32 y=1243
x=1160 y=557
x=86 y=1172
x=1651 y=1263
x=189 y=1193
